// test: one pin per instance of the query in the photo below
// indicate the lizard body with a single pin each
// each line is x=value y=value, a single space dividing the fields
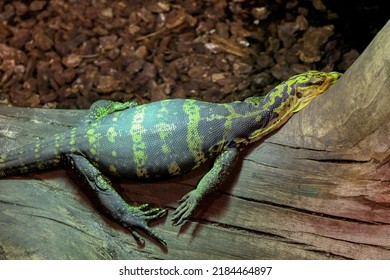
x=161 y=139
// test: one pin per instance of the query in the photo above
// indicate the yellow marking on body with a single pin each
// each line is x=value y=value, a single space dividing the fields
x=72 y=140
x=111 y=134
x=93 y=138
x=165 y=148
x=115 y=116
x=113 y=169
x=174 y=169
x=142 y=172
x=213 y=117
x=91 y=135
x=194 y=140
x=239 y=140
x=114 y=153
x=3 y=158
x=57 y=159
x=217 y=149
x=228 y=126
x=139 y=149
x=163 y=135
x=164 y=130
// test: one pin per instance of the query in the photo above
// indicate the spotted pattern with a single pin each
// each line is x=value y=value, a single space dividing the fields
x=138 y=144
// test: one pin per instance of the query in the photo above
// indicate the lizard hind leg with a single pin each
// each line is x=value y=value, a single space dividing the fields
x=130 y=217
x=102 y=108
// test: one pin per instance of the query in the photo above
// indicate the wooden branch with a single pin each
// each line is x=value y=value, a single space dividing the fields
x=319 y=188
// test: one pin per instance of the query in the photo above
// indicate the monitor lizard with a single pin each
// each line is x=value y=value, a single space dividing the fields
x=161 y=139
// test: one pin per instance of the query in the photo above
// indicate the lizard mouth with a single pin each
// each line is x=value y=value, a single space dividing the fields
x=325 y=85
x=333 y=77
x=329 y=80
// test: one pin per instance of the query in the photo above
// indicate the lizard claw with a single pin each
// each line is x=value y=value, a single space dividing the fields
x=138 y=238
x=186 y=207
x=137 y=218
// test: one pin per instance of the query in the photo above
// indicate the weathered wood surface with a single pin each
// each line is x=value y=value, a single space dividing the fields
x=317 y=189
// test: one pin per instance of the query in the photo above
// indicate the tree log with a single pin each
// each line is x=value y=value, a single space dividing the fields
x=319 y=188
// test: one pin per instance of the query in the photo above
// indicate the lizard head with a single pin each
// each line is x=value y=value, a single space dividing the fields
x=288 y=98
x=304 y=87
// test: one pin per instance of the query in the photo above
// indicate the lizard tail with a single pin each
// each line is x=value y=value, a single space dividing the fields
x=40 y=155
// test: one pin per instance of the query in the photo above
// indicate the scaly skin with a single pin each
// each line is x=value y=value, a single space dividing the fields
x=161 y=139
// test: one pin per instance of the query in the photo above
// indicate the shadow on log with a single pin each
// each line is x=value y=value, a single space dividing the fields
x=319 y=188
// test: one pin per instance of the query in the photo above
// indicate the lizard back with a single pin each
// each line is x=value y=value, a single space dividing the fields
x=162 y=138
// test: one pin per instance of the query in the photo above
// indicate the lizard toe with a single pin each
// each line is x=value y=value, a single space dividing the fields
x=187 y=206
x=137 y=217
x=154 y=213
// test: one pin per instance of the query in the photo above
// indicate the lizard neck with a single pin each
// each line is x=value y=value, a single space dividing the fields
x=259 y=116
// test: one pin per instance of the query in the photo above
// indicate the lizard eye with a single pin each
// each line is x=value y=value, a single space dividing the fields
x=299 y=94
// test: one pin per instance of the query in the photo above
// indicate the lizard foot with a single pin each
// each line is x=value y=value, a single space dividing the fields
x=137 y=217
x=186 y=207
x=130 y=217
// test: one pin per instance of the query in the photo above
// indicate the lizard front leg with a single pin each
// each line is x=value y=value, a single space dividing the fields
x=102 y=108
x=131 y=217
x=221 y=168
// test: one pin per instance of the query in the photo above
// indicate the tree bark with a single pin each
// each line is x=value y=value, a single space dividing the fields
x=319 y=188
